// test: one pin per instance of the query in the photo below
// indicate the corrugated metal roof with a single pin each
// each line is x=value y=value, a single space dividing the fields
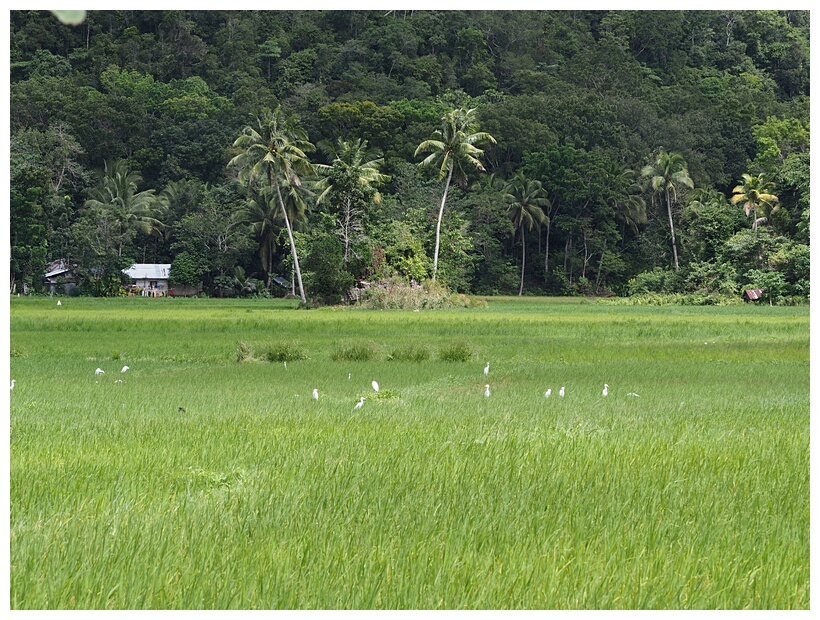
x=149 y=271
x=753 y=294
x=56 y=267
x=56 y=272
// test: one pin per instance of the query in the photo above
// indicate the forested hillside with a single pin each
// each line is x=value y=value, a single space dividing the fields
x=498 y=152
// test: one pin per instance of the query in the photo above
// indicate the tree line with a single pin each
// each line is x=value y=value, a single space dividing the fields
x=495 y=152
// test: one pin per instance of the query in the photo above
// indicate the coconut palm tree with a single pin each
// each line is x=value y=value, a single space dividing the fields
x=116 y=195
x=666 y=173
x=262 y=213
x=351 y=177
x=754 y=193
x=452 y=150
x=525 y=199
x=273 y=151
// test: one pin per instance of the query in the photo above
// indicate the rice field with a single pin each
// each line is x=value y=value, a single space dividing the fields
x=208 y=477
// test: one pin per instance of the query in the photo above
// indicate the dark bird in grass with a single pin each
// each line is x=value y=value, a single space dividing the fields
x=182 y=409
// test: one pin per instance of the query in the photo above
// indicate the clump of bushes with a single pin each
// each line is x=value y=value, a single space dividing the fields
x=658 y=280
x=244 y=352
x=382 y=395
x=358 y=351
x=675 y=299
x=409 y=353
x=398 y=294
x=285 y=352
x=456 y=352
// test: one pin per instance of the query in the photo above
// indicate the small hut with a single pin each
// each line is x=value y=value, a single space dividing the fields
x=59 y=274
x=753 y=294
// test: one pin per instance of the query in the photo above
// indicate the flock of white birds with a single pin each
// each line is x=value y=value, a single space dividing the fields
x=375 y=386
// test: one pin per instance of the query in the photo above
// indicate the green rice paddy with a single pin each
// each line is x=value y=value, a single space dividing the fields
x=209 y=478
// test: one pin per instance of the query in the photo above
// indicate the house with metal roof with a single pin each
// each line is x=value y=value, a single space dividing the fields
x=753 y=294
x=60 y=274
x=149 y=279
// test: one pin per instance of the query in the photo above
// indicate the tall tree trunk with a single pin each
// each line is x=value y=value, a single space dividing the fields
x=292 y=245
x=523 y=261
x=438 y=224
x=566 y=251
x=587 y=255
x=600 y=266
x=547 y=250
x=270 y=262
x=672 y=229
x=346 y=230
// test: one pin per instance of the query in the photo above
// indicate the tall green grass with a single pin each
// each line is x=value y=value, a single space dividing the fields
x=694 y=494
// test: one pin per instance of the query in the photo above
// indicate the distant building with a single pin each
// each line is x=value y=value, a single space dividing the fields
x=59 y=272
x=753 y=294
x=149 y=280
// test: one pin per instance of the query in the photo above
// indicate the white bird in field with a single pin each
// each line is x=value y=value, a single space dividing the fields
x=315 y=394
x=348 y=376
x=13 y=381
x=606 y=390
x=99 y=372
x=634 y=394
x=360 y=403
x=124 y=369
x=561 y=392
x=487 y=391
x=118 y=381
x=59 y=303
x=548 y=393
x=375 y=386
x=487 y=369
x=286 y=365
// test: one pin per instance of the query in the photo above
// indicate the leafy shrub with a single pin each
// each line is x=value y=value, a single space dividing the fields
x=710 y=277
x=409 y=353
x=456 y=352
x=656 y=281
x=359 y=351
x=285 y=352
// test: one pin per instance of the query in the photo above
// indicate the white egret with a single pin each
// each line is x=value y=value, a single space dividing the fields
x=548 y=393
x=487 y=369
x=487 y=391
x=286 y=365
x=375 y=386
x=99 y=372
x=634 y=394
x=13 y=381
x=58 y=303
x=348 y=376
x=118 y=381
x=360 y=403
x=315 y=394
x=124 y=369
x=561 y=392
x=606 y=390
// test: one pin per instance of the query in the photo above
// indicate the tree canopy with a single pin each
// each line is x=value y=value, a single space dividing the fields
x=703 y=103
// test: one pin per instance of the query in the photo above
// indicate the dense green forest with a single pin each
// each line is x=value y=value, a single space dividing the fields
x=497 y=152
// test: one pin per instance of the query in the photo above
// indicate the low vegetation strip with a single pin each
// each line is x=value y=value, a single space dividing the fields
x=195 y=481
